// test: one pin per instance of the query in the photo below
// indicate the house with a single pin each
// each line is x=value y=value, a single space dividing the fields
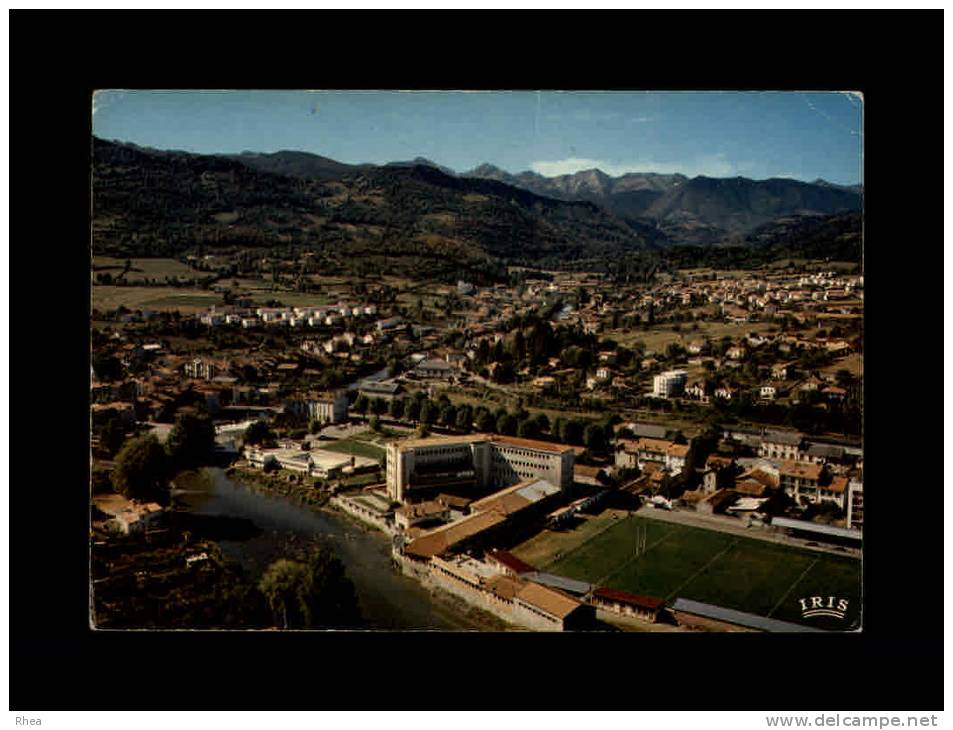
x=724 y=392
x=736 y=352
x=436 y=369
x=323 y=408
x=717 y=503
x=835 y=492
x=699 y=347
x=783 y=371
x=698 y=391
x=639 y=453
x=823 y=453
x=781 y=445
x=717 y=473
x=833 y=393
x=772 y=390
x=800 y=480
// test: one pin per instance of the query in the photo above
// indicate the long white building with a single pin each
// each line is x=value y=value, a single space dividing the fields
x=478 y=461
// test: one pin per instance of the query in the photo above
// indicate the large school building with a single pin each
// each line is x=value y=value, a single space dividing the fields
x=417 y=468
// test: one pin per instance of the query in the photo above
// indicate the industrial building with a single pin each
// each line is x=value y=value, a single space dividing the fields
x=418 y=468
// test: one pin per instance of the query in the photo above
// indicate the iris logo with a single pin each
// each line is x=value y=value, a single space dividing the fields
x=823 y=606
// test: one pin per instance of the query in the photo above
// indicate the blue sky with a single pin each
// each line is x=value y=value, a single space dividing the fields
x=753 y=134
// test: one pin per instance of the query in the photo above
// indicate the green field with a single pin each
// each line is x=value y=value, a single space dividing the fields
x=746 y=574
x=358 y=448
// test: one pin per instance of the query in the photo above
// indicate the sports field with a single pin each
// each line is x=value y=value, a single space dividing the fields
x=746 y=574
x=353 y=446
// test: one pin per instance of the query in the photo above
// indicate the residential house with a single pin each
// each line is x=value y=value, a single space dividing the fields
x=781 y=445
x=800 y=480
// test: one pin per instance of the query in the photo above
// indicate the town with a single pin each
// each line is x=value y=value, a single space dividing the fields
x=566 y=450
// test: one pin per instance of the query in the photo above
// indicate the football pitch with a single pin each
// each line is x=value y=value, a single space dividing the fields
x=670 y=561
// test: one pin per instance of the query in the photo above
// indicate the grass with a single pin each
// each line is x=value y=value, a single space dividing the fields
x=358 y=448
x=658 y=338
x=746 y=574
x=143 y=269
x=152 y=297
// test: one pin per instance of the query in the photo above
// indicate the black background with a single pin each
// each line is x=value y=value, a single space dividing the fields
x=58 y=58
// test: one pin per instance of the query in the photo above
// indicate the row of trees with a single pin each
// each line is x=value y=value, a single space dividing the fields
x=466 y=418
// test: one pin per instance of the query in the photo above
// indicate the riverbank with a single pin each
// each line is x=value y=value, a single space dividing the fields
x=292 y=487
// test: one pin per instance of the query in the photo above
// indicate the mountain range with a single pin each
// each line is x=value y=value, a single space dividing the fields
x=288 y=196
x=680 y=209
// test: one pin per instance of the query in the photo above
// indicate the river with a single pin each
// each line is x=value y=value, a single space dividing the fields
x=388 y=599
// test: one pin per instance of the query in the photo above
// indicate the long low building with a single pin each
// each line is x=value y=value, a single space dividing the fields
x=487 y=518
x=708 y=617
x=416 y=468
x=514 y=599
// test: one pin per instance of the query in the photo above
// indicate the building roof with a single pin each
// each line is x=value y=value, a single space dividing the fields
x=484 y=437
x=631 y=599
x=510 y=561
x=441 y=539
x=586 y=471
x=749 y=487
x=800 y=469
x=504 y=586
x=788 y=438
x=452 y=500
x=827 y=451
x=569 y=585
x=838 y=485
x=548 y=600
x=740 y=618
x=761 y=476
x=715 y=461
x=422 y=509
x=512 y=499
x=648 y=430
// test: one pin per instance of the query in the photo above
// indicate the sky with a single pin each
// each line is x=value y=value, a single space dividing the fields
x=718 y=134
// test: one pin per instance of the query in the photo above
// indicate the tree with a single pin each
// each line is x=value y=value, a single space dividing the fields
x=506 y=424
x=542 y=422
x=314 y=427
x=464 y=420
x=375 y=422
x=141 y=470
x=412 y=410
x=259 y=432
x=594 y=437
x=361 y=404
x=107 y=367
x=285 y=584
x=429 y=412
x=112 y=435
x=485 y=421
x=396 y=407
x=527 y=428
x=190 y=441
x=573 y=432
x=378 y=406
x=448 y=415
